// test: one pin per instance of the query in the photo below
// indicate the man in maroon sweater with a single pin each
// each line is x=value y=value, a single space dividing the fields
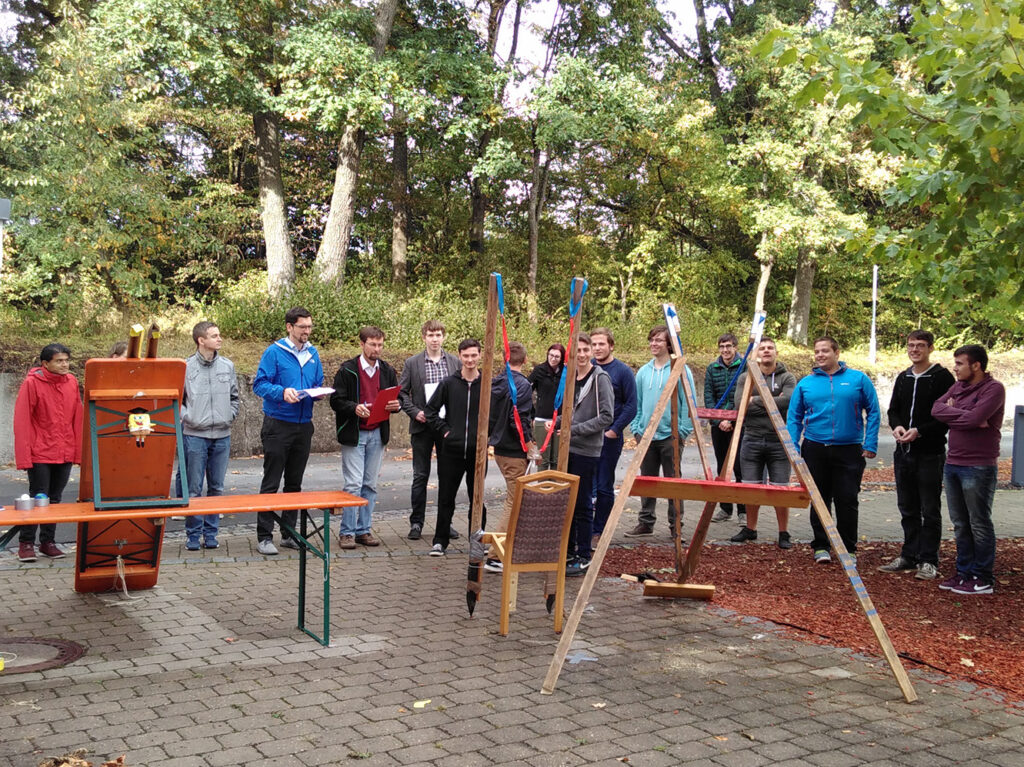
x=973 y=410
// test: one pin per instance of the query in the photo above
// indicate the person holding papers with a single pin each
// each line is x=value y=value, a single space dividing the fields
x=288 y=368
x=359 y=384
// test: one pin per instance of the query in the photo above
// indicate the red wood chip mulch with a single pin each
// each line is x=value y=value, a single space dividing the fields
x=978 y=638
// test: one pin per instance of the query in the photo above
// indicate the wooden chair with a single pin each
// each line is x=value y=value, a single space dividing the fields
x=537 y=537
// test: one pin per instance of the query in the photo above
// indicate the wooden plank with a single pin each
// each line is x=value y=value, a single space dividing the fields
x=565 y=641
x=721 y=492
x=678 y=590
x=133 y=394
x=569 y=395
x=671 y=319
x=711 y=413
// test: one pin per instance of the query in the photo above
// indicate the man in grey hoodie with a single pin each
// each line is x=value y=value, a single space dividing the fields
x=209 y=407
x=593 y=412
x=761 y=448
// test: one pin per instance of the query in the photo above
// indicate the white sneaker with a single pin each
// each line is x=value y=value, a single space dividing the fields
x=437 y=550
x=926 y=571
x=266 y=547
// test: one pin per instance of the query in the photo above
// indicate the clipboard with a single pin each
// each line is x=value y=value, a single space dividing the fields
x=379 y=413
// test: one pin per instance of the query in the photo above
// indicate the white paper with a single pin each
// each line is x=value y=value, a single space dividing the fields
x=429 y=389
x=318 y=391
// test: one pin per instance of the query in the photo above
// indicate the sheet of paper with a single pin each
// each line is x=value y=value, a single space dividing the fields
x=318 y=391
x=429 y=389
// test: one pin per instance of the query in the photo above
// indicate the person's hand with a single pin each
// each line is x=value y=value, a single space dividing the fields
x=725 y=425
x=392 y=406
x=867 y=454
x=898 y=433
x=951 y=402
x=611 y=434
x=290 y=395
x=363 y=410
x=910 y=435
x=421 y=417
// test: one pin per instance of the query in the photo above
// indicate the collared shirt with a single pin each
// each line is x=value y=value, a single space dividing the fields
x=370 y=370
x=304 y=354
x=435 y=372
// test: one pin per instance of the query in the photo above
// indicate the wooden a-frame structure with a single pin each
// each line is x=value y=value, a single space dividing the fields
x=712 y=491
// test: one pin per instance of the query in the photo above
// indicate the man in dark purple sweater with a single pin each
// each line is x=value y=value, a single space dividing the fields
x=973 y=410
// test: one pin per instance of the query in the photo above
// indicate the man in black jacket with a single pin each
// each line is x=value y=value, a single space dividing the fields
x=458 y=396
x=920 y=457
x=421 y=375
x=356 y=386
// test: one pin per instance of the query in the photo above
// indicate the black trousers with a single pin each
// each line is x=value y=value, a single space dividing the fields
x=658 y=459
x=720 y=442
x=451 y=468
x=424 y=444
x=837 y=471
x=51 y=479
x=285 y=452
x=919 y=498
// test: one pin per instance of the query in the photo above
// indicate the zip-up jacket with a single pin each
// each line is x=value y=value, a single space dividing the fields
x=831 y=409
x=210 y=404
x=716 y=380
x=461 y=402
x=47 y=419
x=504 y=435
x=545 y=380
x=974 y=421
x=280 y=369
x=756 y=423
x=592 y=413
x=649 y=383
x=624 y=386
x=911 y=407
x=346 y=397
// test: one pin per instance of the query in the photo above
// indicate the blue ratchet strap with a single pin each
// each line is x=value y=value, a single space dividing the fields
x=735 y=376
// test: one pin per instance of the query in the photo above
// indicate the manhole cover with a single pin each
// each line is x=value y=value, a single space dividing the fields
x=24 y=654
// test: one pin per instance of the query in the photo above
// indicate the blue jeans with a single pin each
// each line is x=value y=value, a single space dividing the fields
x=969 y=494
x=205 y=459
x=611 y=450
x=360 y=467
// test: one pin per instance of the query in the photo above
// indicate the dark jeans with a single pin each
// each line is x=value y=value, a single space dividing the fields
x=720 y=442
x=51 y=479
x=970 y=491
x=919 y=498
x=611 y=450
x=582 y=528
x=837 y=471
x=285 y=452
x=658 y=459
x=424 y=444
x=451 y=468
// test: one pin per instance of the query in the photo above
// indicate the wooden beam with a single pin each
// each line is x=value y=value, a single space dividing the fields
x=568 y=397
x=678 y=590
x=720 y=492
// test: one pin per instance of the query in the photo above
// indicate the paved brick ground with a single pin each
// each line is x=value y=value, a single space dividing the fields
x=209 y=669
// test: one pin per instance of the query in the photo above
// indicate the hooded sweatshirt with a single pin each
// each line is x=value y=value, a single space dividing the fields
x=593 y=412
x=650 y=380
x=757 y=423
x=47 y=419
x=974 y=420
x=830 y=409
x=911 y=407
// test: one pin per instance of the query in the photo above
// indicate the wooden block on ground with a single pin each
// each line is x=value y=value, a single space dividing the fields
x=678 y=590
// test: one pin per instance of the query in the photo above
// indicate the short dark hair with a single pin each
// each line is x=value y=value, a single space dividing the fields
x=51 y=350
x=119 y=349
x=660 y=329
x=201 y=329
x=516 y=353
x=606 y=333
x=584 y=338
x=973 y=353
x=728 y=337
x=468 y=343
x=831 y=341
x=370 y=331
x=431 y=326
x=293 y=314
x=767 y=338
x=921 y=335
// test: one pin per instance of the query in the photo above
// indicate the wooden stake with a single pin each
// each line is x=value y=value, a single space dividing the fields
x=564 y=438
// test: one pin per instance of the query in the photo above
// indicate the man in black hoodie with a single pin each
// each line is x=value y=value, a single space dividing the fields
x=920 y=456
x=458 y=396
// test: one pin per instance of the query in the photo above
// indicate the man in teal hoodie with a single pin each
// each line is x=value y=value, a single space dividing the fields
x=650 y=381
x=836 y=410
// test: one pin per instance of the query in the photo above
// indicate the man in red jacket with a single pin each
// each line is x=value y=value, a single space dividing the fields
x=47 y=439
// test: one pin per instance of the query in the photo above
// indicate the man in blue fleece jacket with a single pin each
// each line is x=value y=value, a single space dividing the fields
x=836 y=410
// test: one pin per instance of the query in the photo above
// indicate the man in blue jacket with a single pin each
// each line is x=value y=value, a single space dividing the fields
x=287 y=368
x=836 y=410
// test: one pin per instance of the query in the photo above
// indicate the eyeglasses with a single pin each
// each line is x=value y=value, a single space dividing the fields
x=303 y=327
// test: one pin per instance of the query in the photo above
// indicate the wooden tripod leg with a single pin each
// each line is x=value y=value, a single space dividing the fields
x=677 y=518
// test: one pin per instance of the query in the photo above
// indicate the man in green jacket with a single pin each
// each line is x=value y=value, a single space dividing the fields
x=716 y=382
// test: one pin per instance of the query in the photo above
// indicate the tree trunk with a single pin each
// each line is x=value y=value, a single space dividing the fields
x=280 y=261
x=707 y=58
x=766 y=273
x=400 y=203
x=478 y=201
x=330 y=258
x=535 y=209
x=800 y=307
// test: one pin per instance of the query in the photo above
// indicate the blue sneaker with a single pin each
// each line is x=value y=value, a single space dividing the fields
x=192 y=544
x=211 y=543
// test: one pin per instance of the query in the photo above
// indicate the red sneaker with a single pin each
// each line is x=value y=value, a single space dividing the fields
x=27 y=552
x=50 y=549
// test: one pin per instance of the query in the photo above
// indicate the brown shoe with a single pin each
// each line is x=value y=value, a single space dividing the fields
x=640 y=530
x=367 y=539
x=347 y=541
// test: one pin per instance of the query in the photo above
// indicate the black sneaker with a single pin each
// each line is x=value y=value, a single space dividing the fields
x=453 y=534
x=493 y=566
x=415 y=532
x=745 y=534
x=784 y=541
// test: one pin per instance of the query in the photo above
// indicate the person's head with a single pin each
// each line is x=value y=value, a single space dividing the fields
x=920 y=344
x=371 y=339
x=469 y=354
x=584 y=351
x=970 y=362
x=826 y=353
x=516 y=354
x=767 y=354
x=602 y=343
x=119 y=350
x=432 y=333
x=299 y=324
x=727 y=347
x=658 y=341
x=555 y=356
x=207 y=336
x=56 y=358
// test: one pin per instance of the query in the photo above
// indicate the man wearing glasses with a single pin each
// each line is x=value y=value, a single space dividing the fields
x=287 y=368
x=716 y=383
